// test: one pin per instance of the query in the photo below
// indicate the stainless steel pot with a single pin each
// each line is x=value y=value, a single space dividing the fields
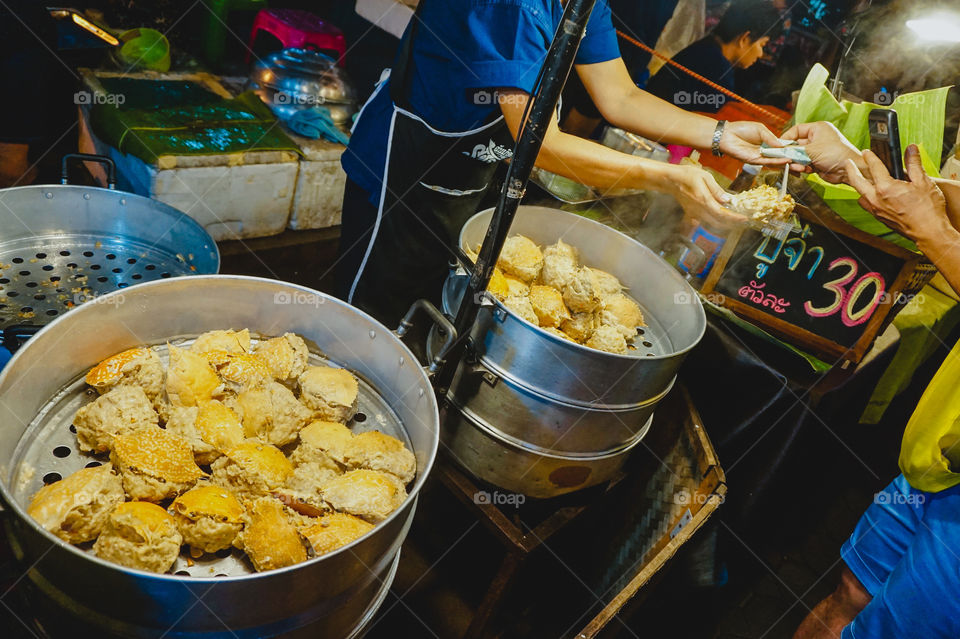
x=541 y=415
x=294 y=79
x=42 y=385
x=62 y=245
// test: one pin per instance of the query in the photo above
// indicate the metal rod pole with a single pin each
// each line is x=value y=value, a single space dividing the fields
x=556 y=68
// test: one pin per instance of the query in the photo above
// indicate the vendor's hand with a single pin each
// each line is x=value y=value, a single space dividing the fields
x=701 y=197
x=828 y=149
x=916 y=208
x=742 y=141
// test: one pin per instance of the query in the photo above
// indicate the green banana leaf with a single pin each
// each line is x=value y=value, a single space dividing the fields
x=921 y=115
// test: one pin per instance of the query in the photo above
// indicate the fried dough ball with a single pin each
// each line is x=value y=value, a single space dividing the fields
x=134 y=367
x=154 y=464
x=498 y=286
x=272 y=414
x=211 y=428
x=320 y=441
x=609 y=339
x=208 y=517
x=548 y=305
x=622 y=313
x=556 y=332
x=559 y=265
x=580 y=326
x=190 y=378
x=287 y=356
x=522 y=308
x=368 y=494
x=379 y=451
x=240 y=371
x=579 y=294
x=121 y=411
x=221 y=340
x=516 y=287
x=251 y=469
x=331 y=393
x=304 y=485
x=334 y=530
x=604 y=284
x=521 y=257
x=140 y=535
x=77 y=507
x=269 y=536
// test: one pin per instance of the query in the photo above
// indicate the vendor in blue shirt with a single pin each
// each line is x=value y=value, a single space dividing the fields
x=426 y=144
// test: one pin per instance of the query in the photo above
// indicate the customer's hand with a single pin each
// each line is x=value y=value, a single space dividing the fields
x=700 y=196
x=742 y=141
x=916 y=208
x=828 y=149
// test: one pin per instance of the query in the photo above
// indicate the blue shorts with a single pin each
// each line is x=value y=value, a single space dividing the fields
x=906 y=552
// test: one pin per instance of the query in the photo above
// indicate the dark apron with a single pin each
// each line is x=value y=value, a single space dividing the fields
x=434 y=182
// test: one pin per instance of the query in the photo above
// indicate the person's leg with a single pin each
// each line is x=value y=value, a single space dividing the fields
x=878 y=543
x=356 y=226
x=829 y=617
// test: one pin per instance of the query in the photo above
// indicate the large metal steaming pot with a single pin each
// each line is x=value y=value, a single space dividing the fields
x=333 y=595
x=542 y=415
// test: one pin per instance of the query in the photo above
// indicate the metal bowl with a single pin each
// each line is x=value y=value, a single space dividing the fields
x=295 y=79
x=332 y=594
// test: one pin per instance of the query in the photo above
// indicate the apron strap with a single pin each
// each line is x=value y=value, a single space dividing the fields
x=400 y=75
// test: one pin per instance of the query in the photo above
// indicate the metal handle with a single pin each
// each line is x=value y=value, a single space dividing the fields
x=89 y=157
x=13 y=337
x=440 y=320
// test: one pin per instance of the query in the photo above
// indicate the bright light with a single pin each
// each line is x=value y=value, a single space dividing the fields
x=943 y=27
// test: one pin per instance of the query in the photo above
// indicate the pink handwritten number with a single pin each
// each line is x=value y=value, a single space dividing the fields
x=845 y=300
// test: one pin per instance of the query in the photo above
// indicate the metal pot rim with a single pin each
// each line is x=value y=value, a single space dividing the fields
x=527 y=447
x=9 y=505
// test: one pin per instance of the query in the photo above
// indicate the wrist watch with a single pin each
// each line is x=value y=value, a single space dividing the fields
x=717 y=134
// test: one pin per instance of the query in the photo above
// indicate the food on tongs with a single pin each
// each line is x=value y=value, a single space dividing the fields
x=287 y=477
x=763 y=204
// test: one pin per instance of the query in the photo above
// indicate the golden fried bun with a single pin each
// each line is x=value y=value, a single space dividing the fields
x=240 y=371
x=331 y=393
x=609 y=339
x=559 y=265
x=190 y=378
x=622 y=313
x=77 y=507
x=580 y=326
x=579 y=294
x=140 y=535
x=154 y=464
x=272 y=414
x=368 y=494
x=220 y=340
x=498 y=286
x=121 y=411
x=548 y=305
x=320 y=440
x=208 y=517
x=379 y=451
x=306 y=481
x=522 y=308
x=521 y=257
x=516 y=287
x=135 y=367
x=287 y=356
x=218 y=426
x=333 y=531
x=556 y=332
x=251 y=469
x=269 y=537
x=604 y=283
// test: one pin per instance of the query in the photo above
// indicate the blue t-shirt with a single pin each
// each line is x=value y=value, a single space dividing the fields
x=462 y=46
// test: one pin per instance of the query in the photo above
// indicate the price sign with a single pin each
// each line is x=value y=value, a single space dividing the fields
x=827 y=288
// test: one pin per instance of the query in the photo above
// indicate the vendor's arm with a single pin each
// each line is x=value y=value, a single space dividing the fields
x=628 y=107
x=596 y=165
x=916 y=208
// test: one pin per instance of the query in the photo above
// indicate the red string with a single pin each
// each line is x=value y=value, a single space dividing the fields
x=755 y=107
